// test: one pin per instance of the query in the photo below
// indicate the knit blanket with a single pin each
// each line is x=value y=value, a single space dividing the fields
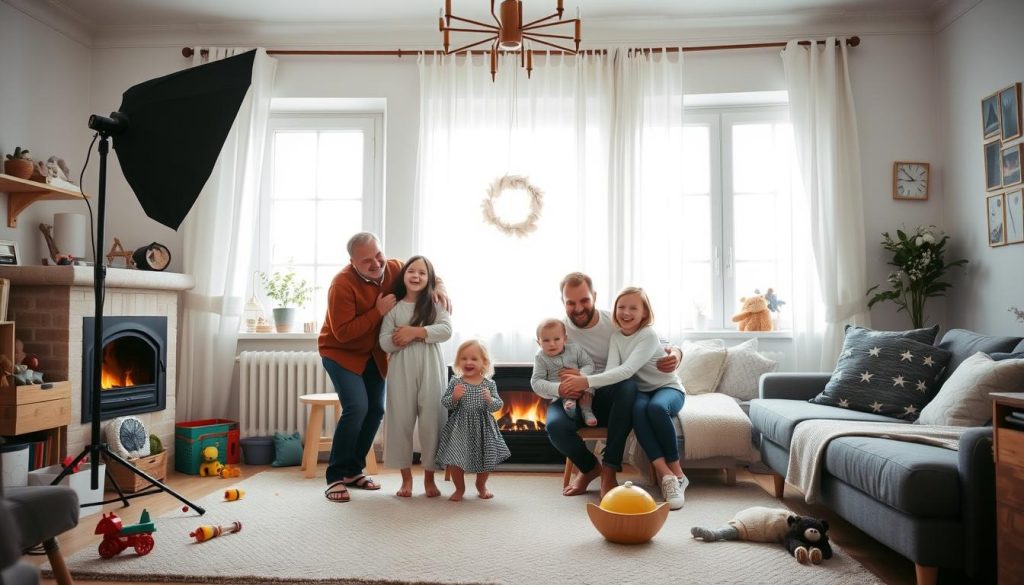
x=811 y=438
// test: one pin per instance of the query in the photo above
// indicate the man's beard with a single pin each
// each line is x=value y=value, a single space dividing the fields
x=583 y=320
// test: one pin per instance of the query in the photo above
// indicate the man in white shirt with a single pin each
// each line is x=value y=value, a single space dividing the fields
x=613 y=405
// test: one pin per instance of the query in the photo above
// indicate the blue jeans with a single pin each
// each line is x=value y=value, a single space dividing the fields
x=613 y=406
x=362 y=408
x=652 y=422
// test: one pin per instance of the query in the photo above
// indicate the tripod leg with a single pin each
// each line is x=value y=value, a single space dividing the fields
x=115 y=458
x=67 y=468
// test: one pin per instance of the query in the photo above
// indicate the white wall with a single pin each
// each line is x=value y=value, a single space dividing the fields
x=979 y=53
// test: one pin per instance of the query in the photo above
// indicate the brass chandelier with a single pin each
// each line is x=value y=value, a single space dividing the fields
x=509 y=34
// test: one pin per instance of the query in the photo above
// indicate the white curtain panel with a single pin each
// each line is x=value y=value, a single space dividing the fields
x=218 y=251
x=825 y=128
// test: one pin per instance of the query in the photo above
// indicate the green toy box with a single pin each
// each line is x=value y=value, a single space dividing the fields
x=191 y=437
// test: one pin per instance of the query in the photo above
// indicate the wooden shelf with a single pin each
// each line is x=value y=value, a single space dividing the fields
x=21 y=193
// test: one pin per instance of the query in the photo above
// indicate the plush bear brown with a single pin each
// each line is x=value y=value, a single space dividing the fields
x=754 y=315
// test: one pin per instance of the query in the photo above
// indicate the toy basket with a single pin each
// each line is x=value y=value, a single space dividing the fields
x=191 y=437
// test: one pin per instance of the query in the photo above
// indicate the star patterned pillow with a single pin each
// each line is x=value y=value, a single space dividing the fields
x=884 y=374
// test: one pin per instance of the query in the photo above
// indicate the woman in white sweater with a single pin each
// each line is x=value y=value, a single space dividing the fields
x=634 y=351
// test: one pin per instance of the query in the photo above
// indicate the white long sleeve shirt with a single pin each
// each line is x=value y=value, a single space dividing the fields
x=636 y=355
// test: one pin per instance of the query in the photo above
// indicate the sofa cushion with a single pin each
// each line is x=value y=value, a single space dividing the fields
x=917 y=479
x=777 y=418
x=884 y=373
x=702 y=365
x=743 y=369
x=964 y=399
x=963 y=344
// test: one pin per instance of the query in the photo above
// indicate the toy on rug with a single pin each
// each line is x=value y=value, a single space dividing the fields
x=754 y=314
x=228 y=472
x=208 y=531
x=805 y=537
x=117 y=537
x=628 y=515
x=232 y=494
x=210 y=465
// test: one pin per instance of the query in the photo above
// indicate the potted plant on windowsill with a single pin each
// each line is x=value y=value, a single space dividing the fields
x=289 y=293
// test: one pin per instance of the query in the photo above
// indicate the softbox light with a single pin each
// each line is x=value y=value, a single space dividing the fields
x=176 y=126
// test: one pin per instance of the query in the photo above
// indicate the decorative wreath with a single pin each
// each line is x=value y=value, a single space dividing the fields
x=128 y=437
x=512 y=182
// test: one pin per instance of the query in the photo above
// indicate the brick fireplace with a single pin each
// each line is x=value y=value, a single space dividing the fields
x=49 y=305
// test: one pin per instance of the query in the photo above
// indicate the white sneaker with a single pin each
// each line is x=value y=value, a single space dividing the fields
x=672 y=492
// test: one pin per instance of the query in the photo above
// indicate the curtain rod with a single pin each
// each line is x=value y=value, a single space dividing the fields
x=852 y=42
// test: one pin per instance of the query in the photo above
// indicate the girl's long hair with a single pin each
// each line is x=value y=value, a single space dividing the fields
x=424 y=312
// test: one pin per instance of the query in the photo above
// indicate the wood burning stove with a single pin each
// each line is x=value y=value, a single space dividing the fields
x=522 y=419
x=133 y=376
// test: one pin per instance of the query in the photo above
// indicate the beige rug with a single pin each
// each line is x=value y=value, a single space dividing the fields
x=529 y=533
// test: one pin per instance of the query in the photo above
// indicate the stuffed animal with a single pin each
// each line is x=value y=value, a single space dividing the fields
x=210 y=467
x=760 y=524
x=807 y=539
x=754 y=314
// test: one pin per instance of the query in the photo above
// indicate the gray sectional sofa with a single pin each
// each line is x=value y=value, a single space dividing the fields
x=932 y=505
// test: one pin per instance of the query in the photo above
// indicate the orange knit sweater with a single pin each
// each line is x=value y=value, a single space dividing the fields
x=352 y=324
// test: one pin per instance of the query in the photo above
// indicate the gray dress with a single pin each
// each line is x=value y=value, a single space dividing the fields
x=471 y=439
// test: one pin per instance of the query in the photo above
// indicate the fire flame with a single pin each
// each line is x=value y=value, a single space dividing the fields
x=523 y=411
x=114 y=374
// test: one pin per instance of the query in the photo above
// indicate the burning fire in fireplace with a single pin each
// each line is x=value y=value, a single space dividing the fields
x=121 y=369
x=523 y=411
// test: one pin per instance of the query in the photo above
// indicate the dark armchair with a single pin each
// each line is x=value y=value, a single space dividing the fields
x=31 y=517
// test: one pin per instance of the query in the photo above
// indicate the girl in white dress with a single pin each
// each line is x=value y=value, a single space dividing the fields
x=411 y=333
x=470 y=440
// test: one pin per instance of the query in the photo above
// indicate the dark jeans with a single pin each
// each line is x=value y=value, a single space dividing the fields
x=652 y=422
x=362 y=408
x=613 y=406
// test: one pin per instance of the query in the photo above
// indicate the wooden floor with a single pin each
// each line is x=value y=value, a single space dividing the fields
x=887 y=565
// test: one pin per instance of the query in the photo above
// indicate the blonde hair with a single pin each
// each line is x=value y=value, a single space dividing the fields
x=546 y=323
x=634 y=290
x=488 y=366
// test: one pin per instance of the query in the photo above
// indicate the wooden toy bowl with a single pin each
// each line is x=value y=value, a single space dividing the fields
x=628 y=528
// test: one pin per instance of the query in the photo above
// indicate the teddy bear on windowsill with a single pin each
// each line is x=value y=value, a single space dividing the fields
x=754 y=314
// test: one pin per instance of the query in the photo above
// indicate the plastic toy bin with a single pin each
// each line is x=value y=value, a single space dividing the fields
x=191 y=437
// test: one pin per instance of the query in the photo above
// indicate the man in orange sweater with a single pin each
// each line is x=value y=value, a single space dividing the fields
x=359 y=297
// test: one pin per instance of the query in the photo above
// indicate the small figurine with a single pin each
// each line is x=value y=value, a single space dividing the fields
x=210 y=465
x=232 y=494
x=208 y=531
x=774 y=304
x=228 y=472
x=117 y=537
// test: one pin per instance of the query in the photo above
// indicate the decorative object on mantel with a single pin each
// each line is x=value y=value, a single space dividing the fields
x=920 y=268
x=9 y=252
x=19 y=164
x=118 y=251
x=55 y=254
x=500 y=187
x=152 y=257
x=509 y=34
x=71 y=233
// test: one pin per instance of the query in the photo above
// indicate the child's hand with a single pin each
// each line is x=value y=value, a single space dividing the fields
x=385 y=303
x=458 y=392
x=487 y=395
x=405 y=335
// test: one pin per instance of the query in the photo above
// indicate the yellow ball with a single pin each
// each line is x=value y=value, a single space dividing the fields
x=628 y=499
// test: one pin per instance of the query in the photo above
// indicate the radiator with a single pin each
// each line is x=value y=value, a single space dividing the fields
x=270 y=383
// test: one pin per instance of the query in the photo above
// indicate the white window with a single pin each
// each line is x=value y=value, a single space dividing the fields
x=322 y=183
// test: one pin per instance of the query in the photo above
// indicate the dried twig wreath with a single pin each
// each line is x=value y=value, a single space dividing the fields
x=512 y=182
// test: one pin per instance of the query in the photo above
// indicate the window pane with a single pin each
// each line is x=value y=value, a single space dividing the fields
x=694 y=228
x=293 y=176
x=340 y=165
x=696 y=159
x=291 y=238
x=753 y=163
x=336 y=221
x=755 y=229
x=751 y=276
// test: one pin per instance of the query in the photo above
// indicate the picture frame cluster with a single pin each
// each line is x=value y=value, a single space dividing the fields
x=1003 y=153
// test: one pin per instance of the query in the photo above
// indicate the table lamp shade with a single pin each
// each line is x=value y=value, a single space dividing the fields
x=71 y=233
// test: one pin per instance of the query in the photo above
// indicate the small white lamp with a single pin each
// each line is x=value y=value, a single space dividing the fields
x=70 y=233
x=253 y=313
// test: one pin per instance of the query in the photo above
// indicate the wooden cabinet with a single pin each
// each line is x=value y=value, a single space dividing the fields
x=1009 y=448
x=21 y=193
x=43 y=408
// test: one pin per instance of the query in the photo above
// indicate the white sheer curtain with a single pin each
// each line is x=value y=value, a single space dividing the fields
x=218 y=244
x=553 y=129
x=825 y=126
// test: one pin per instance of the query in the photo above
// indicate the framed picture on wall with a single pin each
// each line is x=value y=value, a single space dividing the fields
x=996 y=220
x=1011 y=165
x=1009 y=111
x=8 y=252
x=990 y=116
x=993 y=165
x=1015 y=217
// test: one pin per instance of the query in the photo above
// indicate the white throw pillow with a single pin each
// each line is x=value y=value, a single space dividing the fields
x=743 y=369
x=702 y=365
x=963 y=400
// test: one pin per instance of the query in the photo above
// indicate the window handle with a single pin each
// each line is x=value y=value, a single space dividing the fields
x=716 y=261
x=728 y=261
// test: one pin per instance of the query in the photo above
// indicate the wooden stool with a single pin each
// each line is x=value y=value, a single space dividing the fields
x=314 y=443
x=587 y=434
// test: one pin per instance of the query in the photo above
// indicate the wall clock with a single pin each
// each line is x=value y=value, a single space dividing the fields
x=910 y=180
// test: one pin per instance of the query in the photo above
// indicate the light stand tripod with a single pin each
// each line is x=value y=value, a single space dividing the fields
x=96 y=447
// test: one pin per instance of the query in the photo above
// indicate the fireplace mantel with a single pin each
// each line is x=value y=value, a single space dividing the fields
x=82 y=276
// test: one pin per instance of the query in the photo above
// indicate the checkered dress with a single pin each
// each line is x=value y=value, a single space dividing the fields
x=471 y=439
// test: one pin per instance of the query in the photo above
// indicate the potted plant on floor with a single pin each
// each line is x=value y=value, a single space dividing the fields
x=289 y=293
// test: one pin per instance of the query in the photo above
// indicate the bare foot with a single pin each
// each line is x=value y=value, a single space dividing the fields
x=582 y=481
x=431 y=489
x=609 y=481
x=456 y=496
x=405 y=491
x=481 y=488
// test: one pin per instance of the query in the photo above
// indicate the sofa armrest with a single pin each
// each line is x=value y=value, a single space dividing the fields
x=978 y=485
x=792 y=385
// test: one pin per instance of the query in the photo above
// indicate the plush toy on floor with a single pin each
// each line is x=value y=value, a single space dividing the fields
x=805 y=538
x=228 y=471
x=754 y=314
x=210 y=467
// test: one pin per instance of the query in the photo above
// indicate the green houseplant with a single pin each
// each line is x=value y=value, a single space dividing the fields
x=920 y=268
x=19 y=164
x=286 y=290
